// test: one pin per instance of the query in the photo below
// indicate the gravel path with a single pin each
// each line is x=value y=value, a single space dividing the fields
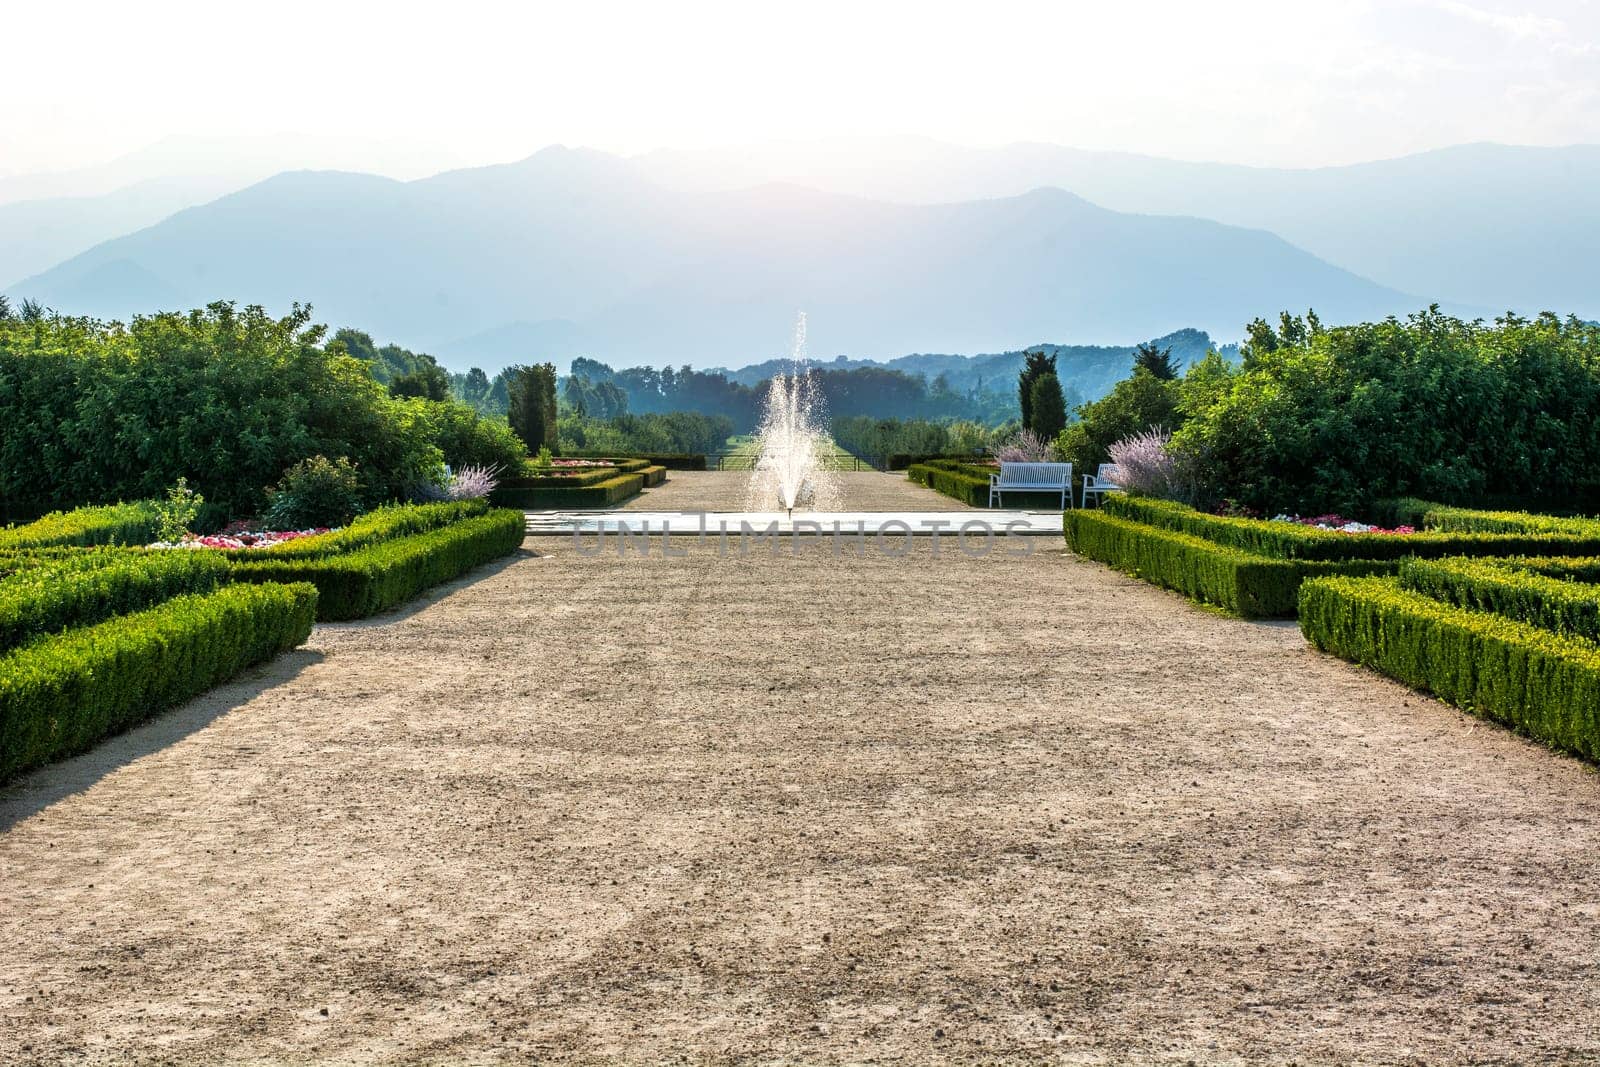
x=804 y=808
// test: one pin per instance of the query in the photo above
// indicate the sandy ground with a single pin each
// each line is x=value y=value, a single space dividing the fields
x=804 y=808
x=728 y=491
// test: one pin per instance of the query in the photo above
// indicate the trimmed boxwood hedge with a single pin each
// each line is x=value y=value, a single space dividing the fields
x=1425 y=514
x=1502 y=587
x=114 y=524
x=964 y=482
x=1284 y=540
x=1542 y=684
x=364 y=582
x=601 y=494
x=60 y=695
x=370 y=528
x=59 y=592
x=1241 y=582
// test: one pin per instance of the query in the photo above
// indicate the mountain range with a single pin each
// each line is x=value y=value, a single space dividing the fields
x=704 y=257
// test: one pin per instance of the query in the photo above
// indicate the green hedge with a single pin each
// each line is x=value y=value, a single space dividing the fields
x=1425 y=514
x=1242 y=582
x=372 y=527
x=114 y=524
x=672 y=461
x=601 y=494
x=385 y=575
x=1286 y=540
x=1501 y=587
x=957 y=480
x=1543 y=684
x=96 y=584
x=61 y=695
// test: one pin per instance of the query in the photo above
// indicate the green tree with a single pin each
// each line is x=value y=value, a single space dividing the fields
x=1156 y=360
x=1049 y=407
x=428 y=382
x=533 y=409
x=1135 y=404
x=1034 y=364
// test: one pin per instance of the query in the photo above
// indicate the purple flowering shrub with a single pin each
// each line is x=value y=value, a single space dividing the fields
x=1025 y=447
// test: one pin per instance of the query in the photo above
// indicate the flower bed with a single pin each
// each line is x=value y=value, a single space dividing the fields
x=239 y=535
x=1340 y=524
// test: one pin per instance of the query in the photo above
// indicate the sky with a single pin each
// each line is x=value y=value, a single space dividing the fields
x=428 y=86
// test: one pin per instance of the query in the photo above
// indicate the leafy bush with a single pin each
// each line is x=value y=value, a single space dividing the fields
x=314 y=492
x=177 y=511
x=1135 y=405
x=373 y=579
x=60 y=695
x=114 y=524
x=1540 y=683
x=1321 y=420
x=1241 y=582
x=1502 y=587
x=59 y=592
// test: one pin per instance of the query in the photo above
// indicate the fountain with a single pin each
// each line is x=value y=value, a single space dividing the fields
x=793 y=445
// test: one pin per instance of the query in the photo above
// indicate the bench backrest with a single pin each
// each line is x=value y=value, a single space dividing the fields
x=1053 y=475
x=1108 y=474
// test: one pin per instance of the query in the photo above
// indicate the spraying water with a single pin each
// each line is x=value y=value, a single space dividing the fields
x=793 y=444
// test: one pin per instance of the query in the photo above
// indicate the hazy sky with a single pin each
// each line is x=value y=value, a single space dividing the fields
x=1272 y=82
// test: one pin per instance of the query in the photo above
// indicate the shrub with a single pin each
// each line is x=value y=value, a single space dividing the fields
x=1331 y=419
x=314 y=492
x=60 y=695
x=1501 y=587
x=115 y=524
x=87 y=587
x=1540 y=683
x=226 y=397
x=177 y=511
x=468 y=483
x=1136 y=404
x=1025 y=446
x=1241 y=582
x=1146 y=464
x=384 y=575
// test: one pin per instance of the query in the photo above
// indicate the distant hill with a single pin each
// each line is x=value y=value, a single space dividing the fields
x=1090 y=370
x=1498 y=226
x=647 y=274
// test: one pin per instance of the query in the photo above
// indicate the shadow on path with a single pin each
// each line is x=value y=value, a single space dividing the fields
x=38 y=789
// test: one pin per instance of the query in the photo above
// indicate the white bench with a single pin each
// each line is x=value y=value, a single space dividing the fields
x=1031 y=478
x=1103 y=481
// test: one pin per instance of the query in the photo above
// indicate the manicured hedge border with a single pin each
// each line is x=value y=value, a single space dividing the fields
x=1241 y=582
x=114 y=524
x=1501 y=587
x=602 y=494
x=60 y=592
x=672 y=461
x=385 y=575
x=371 y=528
x=1537 y=682
x=1283 y=540
x=61 y=695
x=1426 y=514
x=952 y=479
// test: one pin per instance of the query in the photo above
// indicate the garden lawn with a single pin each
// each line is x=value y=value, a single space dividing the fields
x=801 y=809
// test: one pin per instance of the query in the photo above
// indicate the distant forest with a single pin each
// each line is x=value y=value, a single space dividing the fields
x=980 y=389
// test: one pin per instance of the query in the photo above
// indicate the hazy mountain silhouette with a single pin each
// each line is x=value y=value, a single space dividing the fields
x=646 y=274
x=1500 y=226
